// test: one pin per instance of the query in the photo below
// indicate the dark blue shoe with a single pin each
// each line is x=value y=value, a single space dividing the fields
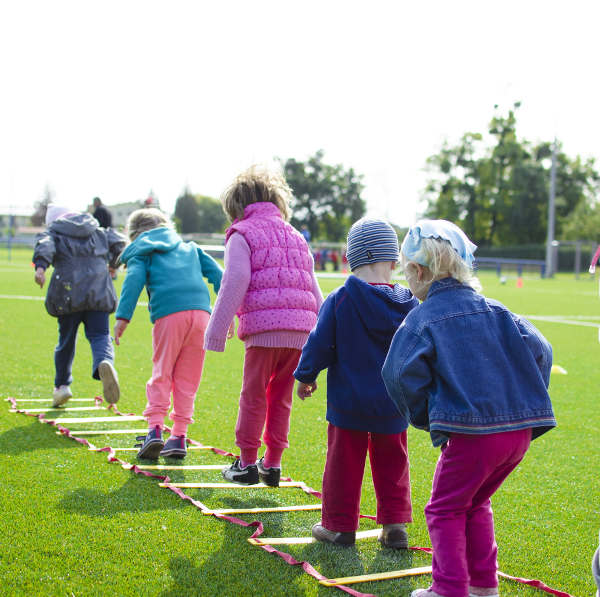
x=153 y=444
x=175 y=447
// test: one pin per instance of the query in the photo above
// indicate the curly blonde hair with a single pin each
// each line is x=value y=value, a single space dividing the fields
x=145 y=219
x=254 y=185
x=442 y=261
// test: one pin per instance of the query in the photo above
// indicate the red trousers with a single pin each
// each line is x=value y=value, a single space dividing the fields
x=344 y=471
x=266 y=402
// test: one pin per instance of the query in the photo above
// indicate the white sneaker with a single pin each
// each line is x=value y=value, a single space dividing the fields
x=110 y=382
x=61 y=395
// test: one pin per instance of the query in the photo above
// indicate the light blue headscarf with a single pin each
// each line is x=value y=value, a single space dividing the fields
x=411 y=246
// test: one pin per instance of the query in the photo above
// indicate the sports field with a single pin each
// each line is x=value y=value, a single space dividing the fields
x=74 y=524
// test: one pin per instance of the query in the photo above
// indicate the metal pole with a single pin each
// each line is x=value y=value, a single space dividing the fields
x=550 y=266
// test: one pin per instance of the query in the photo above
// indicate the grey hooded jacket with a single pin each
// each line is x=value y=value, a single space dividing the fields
x=80 y=251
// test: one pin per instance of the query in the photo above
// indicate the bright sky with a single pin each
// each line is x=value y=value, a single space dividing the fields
x=115 y=98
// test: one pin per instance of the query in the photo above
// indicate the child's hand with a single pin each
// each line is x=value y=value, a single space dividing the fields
x=40 y=276
x=120 y=326
x=231 y=330
x=304 y=390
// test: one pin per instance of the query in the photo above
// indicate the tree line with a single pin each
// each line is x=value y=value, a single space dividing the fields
x=495 y=187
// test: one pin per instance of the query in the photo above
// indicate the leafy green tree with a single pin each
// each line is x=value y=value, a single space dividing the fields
x=198 y=213
x=211 y=215
x=498 y=193
x=327 y=199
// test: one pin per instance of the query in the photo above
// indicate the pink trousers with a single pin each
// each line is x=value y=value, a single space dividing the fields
x=343 y=476
x=177 y=361
x=459 y=513
x=266 y=401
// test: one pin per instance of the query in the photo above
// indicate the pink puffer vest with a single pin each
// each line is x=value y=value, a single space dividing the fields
x=279 y=296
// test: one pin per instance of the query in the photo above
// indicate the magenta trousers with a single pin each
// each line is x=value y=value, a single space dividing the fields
x=343 y=476
x=459 y=513
x=266 y=402
x=177 y=361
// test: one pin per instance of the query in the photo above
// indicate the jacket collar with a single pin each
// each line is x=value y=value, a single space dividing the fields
x=446 y=284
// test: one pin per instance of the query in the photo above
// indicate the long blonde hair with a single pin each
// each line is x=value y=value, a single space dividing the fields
x=254 y=185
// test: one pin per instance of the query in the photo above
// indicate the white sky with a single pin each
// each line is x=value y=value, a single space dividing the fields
x=115 y=98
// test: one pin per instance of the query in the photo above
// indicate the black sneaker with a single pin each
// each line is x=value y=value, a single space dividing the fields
x=175 y=447
x=153 y=444
x=242 y=476
x=269 y=476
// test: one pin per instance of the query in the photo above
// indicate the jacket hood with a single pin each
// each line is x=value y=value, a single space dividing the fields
x=161 y=240
x=380 y=307
x=78 y=225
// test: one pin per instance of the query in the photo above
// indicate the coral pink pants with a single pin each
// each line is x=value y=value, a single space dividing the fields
x=344 y=470
x=459 y=513
x=177 y=360
x=266 y=401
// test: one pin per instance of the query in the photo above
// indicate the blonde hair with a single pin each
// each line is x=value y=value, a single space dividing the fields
x=145 y=219
x=255 y=185
x=442 y=260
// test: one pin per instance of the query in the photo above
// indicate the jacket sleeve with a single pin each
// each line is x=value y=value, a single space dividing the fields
x=134 y=282
x=44 y=251
x=407 y=376
x=539 y=347
x=212 y=271
x=319 y=352
x=116 y=244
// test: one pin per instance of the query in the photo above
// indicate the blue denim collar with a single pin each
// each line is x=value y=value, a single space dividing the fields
x=445 y=284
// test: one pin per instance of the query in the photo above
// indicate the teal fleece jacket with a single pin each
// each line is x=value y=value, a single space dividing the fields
x=172 y=271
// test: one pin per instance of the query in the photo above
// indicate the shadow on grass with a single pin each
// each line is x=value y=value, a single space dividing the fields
x=235 y=569
x=32 y=437
x=130 y=497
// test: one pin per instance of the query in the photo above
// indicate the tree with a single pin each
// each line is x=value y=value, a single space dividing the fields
x=198 y=213
x=186 y=213
x=327 y=199
x=40 y=207
x=211 y=215
x=499 y=193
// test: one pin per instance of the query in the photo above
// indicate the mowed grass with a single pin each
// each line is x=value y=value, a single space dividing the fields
x=73 y=524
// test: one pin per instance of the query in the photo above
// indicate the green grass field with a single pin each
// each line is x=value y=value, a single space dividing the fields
x=73 y=524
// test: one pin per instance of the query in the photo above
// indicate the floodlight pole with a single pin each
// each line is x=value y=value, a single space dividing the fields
x=550 y=265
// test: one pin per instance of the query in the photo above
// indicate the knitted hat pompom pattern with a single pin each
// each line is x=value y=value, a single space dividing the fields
x=371 y=241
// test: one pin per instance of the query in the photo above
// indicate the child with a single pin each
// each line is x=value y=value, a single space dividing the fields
x=179 y=305
x=354 y=330
x=80 y=291
x=474 y=375
x=270 y=283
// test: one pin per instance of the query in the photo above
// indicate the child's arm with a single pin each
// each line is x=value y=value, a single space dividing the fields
x=319 y=352
x=539 y=347
x=407 y=376
x=116 y=244
x=212 y=271
x=231 y=293
x=134 y=282
x=43 y=256
x=316 y=290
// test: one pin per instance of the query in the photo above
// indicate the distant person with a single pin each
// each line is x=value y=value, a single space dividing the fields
x=475 y=376
x=270 y=284
x=353 y=334
x=305 y=232
x=335 y=260
x=102 y=213
x=172 y=272
x=80 y=291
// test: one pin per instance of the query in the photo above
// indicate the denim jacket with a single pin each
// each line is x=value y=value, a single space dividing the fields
x=464 y=363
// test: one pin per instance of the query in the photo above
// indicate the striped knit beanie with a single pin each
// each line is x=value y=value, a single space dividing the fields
x=370 y=241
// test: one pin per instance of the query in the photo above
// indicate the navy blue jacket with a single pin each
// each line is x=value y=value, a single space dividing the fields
x=354 y=330
x=463 y=363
